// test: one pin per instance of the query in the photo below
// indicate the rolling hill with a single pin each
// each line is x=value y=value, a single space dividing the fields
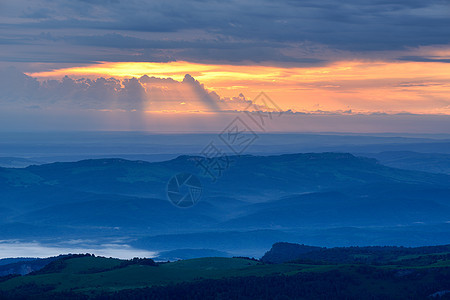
x=313 y=273
x=257 y=200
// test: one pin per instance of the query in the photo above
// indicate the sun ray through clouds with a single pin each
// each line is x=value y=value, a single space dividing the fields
x=360 y=86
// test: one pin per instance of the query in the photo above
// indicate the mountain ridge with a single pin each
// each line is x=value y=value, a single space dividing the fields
x=122 y=198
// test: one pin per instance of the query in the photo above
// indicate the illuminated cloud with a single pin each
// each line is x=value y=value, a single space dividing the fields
x=360 y=86
x=131 y=94
x=168 y=105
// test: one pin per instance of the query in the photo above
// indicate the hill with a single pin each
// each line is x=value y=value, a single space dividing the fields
x=427 y=162
x=412 y=273
x=23 y=266
x=379 y=255
x=256 y=201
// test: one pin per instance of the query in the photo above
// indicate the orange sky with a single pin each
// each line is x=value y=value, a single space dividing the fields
x=377 y=86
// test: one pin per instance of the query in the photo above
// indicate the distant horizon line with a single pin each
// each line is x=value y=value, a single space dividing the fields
x=218 y=132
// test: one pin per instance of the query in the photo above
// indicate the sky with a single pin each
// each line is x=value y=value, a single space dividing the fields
x=352 y=65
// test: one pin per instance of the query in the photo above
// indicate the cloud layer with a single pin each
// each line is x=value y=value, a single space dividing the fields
x=168 y=105
x=128 y=94
x=283 y=32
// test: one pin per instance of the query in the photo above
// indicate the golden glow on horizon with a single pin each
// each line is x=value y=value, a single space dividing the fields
x=416 y=87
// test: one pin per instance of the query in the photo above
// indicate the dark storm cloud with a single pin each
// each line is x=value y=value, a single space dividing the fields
x=227 y=30
x=115 y=40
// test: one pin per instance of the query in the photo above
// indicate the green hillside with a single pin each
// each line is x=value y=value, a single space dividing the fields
x=86 y=276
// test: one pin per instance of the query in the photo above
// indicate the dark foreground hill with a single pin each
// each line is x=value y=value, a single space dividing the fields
x=376 y=255
x=397 y=273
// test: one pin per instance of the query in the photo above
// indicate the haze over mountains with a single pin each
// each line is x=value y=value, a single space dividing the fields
x=323 y=199
x=47 y=147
